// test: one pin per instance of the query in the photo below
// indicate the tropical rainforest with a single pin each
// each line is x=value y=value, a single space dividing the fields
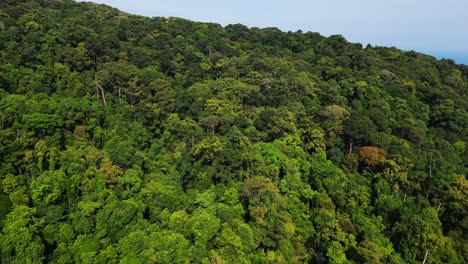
x=129 y=139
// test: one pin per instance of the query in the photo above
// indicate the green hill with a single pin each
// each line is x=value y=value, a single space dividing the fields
x=127 y=139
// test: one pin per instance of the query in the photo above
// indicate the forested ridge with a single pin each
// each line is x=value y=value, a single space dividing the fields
x=127 y=139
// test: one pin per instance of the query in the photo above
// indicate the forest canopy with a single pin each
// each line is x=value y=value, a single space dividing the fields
x=128 y=139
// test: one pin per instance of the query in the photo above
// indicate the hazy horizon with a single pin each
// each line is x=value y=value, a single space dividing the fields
x=437 y=28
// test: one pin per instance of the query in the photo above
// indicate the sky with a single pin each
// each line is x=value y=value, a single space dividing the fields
x=435 y=27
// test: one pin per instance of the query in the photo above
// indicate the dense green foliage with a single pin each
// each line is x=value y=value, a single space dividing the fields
x=161 y=140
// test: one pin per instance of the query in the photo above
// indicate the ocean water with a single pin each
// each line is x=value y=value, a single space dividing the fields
x=458 y=57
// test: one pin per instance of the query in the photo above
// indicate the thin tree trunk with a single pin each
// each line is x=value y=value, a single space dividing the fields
x=430 y=180
x=99 y=88
x=425 y=257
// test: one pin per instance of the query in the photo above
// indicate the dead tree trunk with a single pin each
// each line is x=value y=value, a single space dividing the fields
x=100 y=90
x=350 y=151
x=425 y=257
x=438 y=208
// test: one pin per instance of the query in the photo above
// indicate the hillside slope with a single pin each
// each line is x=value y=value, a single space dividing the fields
x=161 y=140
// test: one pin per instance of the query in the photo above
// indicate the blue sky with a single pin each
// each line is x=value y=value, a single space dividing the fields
x=436 y=27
